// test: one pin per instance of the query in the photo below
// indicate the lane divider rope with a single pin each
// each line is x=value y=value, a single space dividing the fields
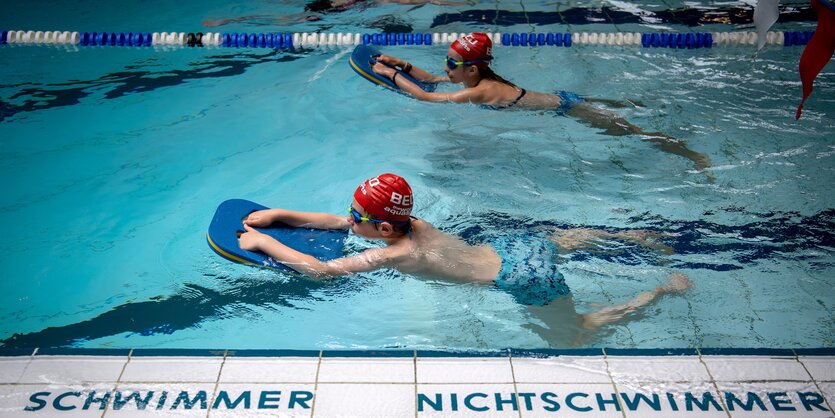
x=689 y=40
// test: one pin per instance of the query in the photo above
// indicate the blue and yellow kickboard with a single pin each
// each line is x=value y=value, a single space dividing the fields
x=363 y=58
x=227 y=225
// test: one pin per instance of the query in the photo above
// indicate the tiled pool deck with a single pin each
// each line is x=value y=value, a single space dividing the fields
x=507 y=383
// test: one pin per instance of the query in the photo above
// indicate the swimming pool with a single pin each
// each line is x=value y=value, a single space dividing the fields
x=117 y=157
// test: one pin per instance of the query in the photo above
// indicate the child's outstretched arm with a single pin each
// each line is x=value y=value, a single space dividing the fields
x=368 y=260
x=467 y=95
x=316 y=220
x=416 y=72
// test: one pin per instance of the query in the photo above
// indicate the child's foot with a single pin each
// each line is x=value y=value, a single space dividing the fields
x=678 y=283
x=212 y=23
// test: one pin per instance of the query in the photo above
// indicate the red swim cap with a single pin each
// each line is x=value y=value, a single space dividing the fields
x=473 y=47
x=386 y=197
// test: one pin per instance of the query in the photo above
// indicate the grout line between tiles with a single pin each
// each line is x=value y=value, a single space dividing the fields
x=513 y=376
x=797 y=358
x=612 y=379
x=825 y=399
x=261 y=382
x=217 y=383
x=527 y=18
x=163 y=382
x=360 y=382
x=813 y=380
x=617 y=28
x=713 y=382
x=26 y=367
x=118 y=380
x=437 y=383
x=414 y=363
x=495 y=19
x=561 y=382
x=764 y=381
x=316 y=384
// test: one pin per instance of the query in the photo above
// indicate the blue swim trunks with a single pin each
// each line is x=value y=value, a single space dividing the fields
x=567 y=101
x=528 y=269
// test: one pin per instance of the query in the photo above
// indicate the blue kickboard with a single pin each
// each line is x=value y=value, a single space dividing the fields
x=227 y=224
x=363 y=58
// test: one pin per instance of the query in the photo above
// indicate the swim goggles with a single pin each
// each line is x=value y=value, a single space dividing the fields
x=358 y=218
x=453 y=64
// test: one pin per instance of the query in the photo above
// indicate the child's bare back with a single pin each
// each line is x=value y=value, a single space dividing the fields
x=435 y=254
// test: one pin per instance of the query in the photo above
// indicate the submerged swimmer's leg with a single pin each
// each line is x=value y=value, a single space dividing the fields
x=614 y=125
x=265 y=20
x=587 y=238
x=675 y=146
x=593 y=320
x=564 y=327
x=649 y=239
x=561 y=324
x=573 y=239
x=615 y=103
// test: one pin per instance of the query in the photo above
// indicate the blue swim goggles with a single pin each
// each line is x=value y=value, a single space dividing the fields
x=453 y=64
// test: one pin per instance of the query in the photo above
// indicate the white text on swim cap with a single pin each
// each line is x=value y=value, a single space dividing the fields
x=470 y=39
x=399 y=199
x=398 y=211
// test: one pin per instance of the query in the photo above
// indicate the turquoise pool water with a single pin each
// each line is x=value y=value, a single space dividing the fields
x=115 y=159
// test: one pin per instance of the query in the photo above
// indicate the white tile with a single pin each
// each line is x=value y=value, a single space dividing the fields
x=73 y=369
x=346 y=400
x=828 y=389
x=666 y=399
x=561 y=369
x=380 y=370
x=821 y=368
x=568 y=400
x=11 y=368
x=748 y=368
x=51 y=400
x=161 y=399
x=172 y=369
x=467 y=400
x=464 y=370
x=653 y=369
x=265 y=400
x=269 y=370
x=773 y=399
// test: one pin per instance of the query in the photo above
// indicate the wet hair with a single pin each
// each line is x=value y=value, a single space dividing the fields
x=325 y=6
x=401 y=228
x=318 y=6
x=489 y=74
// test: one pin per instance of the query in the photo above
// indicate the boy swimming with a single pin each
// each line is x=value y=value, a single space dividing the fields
x=381 y=209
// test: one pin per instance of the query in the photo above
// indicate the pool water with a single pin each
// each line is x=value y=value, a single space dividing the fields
x=116 y=158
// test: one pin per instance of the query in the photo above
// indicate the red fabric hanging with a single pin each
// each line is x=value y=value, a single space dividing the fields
x=819 y=50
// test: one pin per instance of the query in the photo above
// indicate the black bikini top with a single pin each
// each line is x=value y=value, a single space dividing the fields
x=521 y=95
